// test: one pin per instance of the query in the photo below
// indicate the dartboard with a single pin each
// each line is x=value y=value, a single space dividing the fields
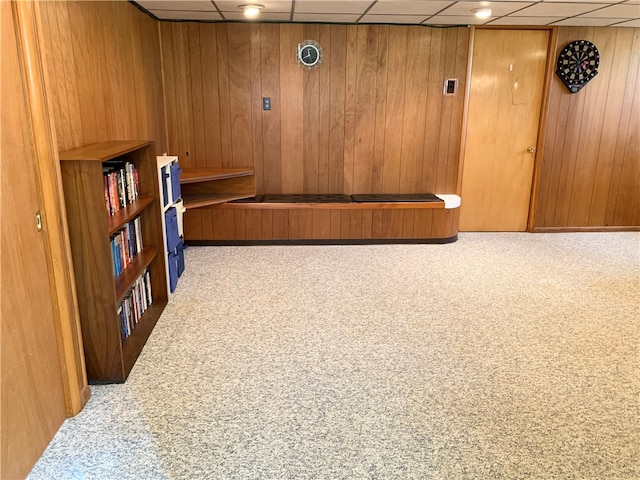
x=578 y=64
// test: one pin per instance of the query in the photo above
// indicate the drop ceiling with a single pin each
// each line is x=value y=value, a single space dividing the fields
x=618 y=13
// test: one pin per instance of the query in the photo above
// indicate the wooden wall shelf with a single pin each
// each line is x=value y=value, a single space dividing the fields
x=202 y=187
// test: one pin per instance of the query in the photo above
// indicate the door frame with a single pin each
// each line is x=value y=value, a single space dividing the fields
x=544 y=110
x=27 y=24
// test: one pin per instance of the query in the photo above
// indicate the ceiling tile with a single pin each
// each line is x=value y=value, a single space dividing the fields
x=325 y=17
x=185 y=15
x=616 y=11
x=630 y=23
x=588 y=22
x=201 y=5
x=401 y=19
x=352 y=6
x=456 y=20
x=497 y=8
x=269 y=5
x=415 y=7
x=445 y=12
x=525 y=20
x=263 y=17
x=557 y=9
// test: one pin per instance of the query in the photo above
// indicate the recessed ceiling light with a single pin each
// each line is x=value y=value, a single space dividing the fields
x=251 y=10
x=482 y=12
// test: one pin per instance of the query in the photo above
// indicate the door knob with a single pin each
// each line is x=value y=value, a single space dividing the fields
x=531 y=149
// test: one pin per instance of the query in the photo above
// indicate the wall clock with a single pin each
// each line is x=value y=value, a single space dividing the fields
x=577 y=64
x=309 y=54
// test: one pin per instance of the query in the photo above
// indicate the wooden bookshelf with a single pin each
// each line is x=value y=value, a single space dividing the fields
x=108 y=358
x=202 y=187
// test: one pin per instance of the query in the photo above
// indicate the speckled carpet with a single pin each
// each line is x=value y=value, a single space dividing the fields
x=500 y=356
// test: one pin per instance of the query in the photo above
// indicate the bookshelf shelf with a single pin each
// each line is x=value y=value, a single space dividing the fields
x=110 y=353
x=128 y=213
x=125 y=280
x=135 y=342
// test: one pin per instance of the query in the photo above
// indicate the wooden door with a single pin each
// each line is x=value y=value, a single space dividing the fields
x=32 y=397
x=507 y=82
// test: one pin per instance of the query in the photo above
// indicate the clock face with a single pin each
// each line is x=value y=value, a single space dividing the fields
x=577 y=64
x=309 y=54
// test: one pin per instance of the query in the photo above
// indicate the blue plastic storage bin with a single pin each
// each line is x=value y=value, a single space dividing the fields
x=180 y=252
x=175 y=181
x=171 y=224
x=165 y=173
x=172 y=260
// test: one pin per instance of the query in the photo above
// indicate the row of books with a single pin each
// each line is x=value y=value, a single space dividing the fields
x=125 y=245
x=120 y=185
x=134 y=304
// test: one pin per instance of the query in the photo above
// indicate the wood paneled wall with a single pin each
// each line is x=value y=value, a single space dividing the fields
x=370 y=118
x=105 y=75
x=590 y=174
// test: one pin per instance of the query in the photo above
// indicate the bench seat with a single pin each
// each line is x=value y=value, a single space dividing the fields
x=339 y=201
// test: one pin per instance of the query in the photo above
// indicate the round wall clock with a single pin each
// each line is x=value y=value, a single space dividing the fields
x=309 y=54
x=577 y=64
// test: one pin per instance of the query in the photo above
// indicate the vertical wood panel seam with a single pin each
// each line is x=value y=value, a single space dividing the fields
x=465 y=109
x=384 y=102
x=192 y=85
x=602 y=126
x=599 y=136
x=164 y=87
x=579 y=137
x=404 y=103
x=626 y=146
x=551 y=192
x=624 y=151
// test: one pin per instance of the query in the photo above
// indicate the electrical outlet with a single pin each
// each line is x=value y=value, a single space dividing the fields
x=450 y=86
x=266 y=103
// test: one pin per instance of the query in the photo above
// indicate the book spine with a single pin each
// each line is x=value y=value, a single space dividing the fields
x=121 y=188
x=138 y=229
x=136 y=185
x=113 y=193
x=132 y=192
x=113 y=257
x=148 y=283
x=106 y=194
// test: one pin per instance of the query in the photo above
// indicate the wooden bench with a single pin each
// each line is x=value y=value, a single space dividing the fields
x=326 y=219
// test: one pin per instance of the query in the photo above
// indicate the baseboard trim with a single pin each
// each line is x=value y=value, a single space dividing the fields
x=631 y=228
x=346 y=241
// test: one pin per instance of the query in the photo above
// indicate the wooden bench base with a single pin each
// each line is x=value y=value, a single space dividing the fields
x=251 y=223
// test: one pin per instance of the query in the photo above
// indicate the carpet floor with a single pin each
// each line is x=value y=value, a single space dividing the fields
x=500 y=356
